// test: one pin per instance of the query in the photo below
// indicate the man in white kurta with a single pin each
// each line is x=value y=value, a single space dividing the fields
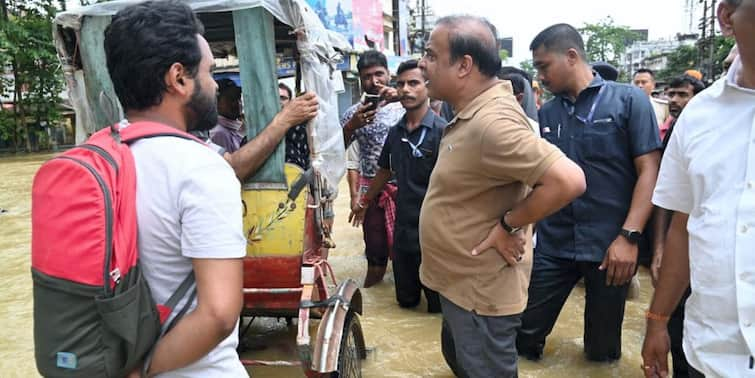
x=707 y=178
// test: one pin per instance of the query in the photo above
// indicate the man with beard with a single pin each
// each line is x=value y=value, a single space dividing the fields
x=609 y=130
x=409 y=152
x=187 y=198
x=680 y=92
x=368 y=123
x=474 y=228
x=707 y=180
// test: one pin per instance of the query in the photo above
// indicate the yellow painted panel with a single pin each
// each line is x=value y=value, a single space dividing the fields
x=274 y=226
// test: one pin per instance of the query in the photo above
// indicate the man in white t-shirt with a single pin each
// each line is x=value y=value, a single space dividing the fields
x=645 y=79
x=188 y=199
x=707 y=178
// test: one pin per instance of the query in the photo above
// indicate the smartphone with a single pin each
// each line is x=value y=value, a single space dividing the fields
x=370 y=99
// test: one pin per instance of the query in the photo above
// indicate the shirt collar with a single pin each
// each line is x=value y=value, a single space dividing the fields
x=496 y=91
x=228 y=123
x=596 y=82
x=427 y=121
x=731 y=76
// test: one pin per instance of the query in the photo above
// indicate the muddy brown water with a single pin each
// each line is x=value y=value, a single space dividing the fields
x=402 y=343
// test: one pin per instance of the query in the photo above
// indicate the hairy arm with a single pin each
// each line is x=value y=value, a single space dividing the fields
x=219 y=303
x=254 y=153
x=674 y=277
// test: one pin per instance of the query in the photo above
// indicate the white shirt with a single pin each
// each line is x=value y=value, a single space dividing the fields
x=352 y=156
x=660 y=108
x=188 y=206
x=708 y=172
x=535 y=126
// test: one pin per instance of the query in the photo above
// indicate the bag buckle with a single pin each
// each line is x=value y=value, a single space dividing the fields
x=115 y=275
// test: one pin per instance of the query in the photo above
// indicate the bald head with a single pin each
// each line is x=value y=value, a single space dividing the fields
x=473 y=36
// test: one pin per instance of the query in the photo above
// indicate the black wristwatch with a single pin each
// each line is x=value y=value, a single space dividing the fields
x=633 y=236
x=506 y=227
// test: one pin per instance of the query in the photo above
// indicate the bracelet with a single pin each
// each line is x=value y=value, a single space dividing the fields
x=654 y=316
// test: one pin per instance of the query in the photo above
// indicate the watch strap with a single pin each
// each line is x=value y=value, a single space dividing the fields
x=507 y=227
x=631 y=235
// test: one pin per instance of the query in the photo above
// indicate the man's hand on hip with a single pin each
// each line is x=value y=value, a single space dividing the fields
x=509 y=246
x=620 y=262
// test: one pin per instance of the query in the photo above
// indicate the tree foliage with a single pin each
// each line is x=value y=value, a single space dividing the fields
x=606 y=42
x=688 y=57
x=32 y=75
x=528 y=67
x=678 y=61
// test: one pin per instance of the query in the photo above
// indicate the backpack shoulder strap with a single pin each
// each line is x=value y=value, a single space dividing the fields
x=180 y=292
x=186 y=285
x=130 y=133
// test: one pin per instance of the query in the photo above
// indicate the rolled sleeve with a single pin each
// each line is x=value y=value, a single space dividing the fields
x=346 y=117
x=353 y=156
x=642 y=125
x=512 y=152
x=673 y=191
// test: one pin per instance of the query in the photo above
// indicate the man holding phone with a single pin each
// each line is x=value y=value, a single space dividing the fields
x=368 y=122
x=409 y=153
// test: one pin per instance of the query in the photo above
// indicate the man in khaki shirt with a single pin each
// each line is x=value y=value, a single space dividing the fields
x=494 y=177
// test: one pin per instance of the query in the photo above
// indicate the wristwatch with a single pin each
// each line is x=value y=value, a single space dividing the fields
x=507 y=227
x=633 y=236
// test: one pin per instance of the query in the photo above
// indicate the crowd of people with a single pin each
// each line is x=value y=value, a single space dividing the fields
x=591 y=186
x=452 y=171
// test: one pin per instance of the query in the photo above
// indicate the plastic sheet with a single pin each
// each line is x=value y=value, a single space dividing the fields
x=318 y=61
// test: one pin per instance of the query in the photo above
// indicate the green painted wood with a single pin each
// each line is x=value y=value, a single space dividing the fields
x=101 y=97
x=255 y=46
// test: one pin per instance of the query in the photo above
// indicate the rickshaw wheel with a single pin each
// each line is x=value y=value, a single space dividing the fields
x=352 y=349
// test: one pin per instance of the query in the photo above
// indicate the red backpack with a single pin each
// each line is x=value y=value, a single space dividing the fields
x=94 y=315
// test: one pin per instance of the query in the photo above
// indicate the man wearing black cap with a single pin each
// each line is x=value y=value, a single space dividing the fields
x=606 y=71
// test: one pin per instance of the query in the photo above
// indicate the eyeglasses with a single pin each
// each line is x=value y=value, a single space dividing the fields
x=416 y=152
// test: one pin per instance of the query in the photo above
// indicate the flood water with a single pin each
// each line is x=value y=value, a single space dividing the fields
x=402 y=343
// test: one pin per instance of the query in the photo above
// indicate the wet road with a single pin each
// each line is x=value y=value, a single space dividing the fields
x=402 y=343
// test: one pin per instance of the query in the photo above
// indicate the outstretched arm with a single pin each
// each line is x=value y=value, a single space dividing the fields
x=254 y=153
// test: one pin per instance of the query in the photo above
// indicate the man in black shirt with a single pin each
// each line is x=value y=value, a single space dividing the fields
x=409 y=152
